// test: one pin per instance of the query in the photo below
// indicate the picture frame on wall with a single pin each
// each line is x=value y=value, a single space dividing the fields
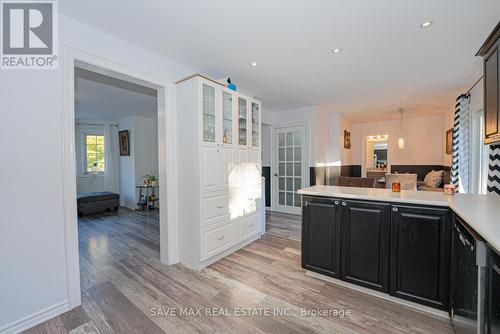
x=449 y=141
x=347 y=139
x=123 y=138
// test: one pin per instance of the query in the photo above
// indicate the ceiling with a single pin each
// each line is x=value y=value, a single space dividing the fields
x=387 y=60
x=102 y=97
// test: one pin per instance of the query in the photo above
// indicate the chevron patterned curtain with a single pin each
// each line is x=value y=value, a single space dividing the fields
x=494 y=170
x=460 y=160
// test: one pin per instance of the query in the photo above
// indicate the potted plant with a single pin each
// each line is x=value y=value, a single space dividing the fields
x=151 y=179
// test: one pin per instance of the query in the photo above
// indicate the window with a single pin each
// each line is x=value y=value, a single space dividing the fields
x=94 y=153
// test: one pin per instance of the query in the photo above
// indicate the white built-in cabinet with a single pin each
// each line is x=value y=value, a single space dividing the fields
x=220 y=192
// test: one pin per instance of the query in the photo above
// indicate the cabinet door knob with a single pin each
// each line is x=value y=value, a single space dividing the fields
x=336 y=202
x=395 y=209
x=250 y=225
x=344 y=203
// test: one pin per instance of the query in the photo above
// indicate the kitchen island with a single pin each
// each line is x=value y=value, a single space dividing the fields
x=400 y=244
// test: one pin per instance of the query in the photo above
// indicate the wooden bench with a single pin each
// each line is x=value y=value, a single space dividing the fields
x=97 y=202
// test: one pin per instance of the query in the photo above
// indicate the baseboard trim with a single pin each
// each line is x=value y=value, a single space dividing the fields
x=36 y=318
x=401 y=302
x=128 y=206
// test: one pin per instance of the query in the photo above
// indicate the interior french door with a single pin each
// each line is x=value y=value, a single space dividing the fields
x=289 y=168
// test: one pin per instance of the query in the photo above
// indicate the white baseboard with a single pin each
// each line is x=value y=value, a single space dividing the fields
x=402 y=302
x=128 y=206
x=36 y=318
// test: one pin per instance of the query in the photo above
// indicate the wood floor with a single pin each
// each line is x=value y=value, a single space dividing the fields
x=125 y=288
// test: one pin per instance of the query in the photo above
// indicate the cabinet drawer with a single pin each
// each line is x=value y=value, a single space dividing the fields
x=214 y=207
x=252 y=200
x=248 y=226
x=217 y=239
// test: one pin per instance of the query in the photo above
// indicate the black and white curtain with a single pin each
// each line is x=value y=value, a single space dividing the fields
x=494 y=170
x=460 y=160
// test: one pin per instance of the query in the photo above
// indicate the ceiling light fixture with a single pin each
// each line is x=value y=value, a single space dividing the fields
x=254 y=64
x=426 y=24
x=337 y=50
x=401 y=139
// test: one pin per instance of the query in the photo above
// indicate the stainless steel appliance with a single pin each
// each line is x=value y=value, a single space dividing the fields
x=468 y=279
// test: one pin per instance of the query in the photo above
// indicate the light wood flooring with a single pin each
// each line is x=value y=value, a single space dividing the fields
x=125 y=287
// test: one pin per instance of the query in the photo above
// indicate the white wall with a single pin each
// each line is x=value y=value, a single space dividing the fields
x=424 y=140
x=143 y=159
x=33 y=275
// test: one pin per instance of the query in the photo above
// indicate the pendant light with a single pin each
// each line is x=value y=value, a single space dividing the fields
x=401 y=139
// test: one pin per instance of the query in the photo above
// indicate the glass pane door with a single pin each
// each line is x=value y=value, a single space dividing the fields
x=290 y=167
x=208 y=113
x=255 y=124
x=242 y=121
x=227 y=118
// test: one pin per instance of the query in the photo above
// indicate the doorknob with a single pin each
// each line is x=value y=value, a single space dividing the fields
x=276 y=174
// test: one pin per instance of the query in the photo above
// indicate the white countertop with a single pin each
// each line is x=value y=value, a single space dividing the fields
x=481 y=212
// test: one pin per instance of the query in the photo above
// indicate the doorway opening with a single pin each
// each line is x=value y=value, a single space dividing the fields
x=87 y=168
x=117 y=164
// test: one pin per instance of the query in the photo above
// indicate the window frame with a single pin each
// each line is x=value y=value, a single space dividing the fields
x=84 y=135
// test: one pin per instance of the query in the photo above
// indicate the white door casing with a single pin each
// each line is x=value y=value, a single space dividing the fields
x=166 y=155
x=289 y=167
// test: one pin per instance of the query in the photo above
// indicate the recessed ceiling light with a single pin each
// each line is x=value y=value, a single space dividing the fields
x=254 y=64
x=337 y=50
x=426 y=24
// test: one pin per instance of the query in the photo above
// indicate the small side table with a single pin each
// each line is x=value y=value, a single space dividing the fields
x=149 y=191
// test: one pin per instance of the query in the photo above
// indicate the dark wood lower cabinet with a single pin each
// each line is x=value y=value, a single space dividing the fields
x=494 y=294
x=403 y=250
x=321 y=235
x=420 y=255
x=365 y=244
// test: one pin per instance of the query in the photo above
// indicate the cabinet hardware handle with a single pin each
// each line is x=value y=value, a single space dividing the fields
x=336 y=202
x=250 y=225
x=344 y=203
x=220 y=238
x=250 y=199
x=495 y=267
x=395 y=209
x=220 y=206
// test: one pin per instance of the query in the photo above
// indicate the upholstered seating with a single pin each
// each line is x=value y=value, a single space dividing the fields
x=361 y=182
x=97 y=202
x=407 y=181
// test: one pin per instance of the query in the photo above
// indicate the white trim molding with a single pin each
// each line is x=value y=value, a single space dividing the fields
x=166 y=156
x=35 y=318
x=274 y=161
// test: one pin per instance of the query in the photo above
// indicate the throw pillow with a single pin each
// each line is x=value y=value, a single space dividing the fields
x=434 y=179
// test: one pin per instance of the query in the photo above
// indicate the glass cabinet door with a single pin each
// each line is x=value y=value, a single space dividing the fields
x=208 y=113
x=255 y=124
x=227 y=118
x=242 y=121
